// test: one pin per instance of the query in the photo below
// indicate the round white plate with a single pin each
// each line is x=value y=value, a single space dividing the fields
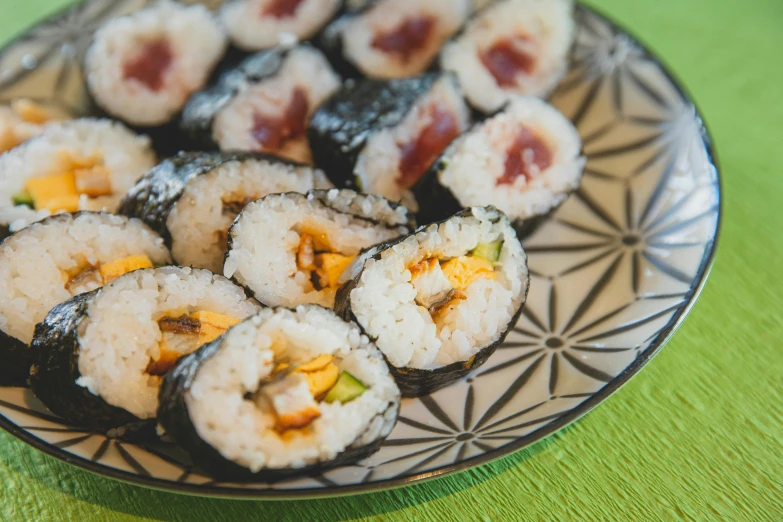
x=615 y=271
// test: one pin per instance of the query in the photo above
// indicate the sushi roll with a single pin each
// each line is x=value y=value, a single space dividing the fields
x=263 y=105
x=381 y=135
x=99 y=358
x=254 y=25
x=439 y=301
x=290 y=249
x=57 y=258
x=525 y=160
x=512 y=47
x=23 y=119
x=82 y=164
x=392 y=38
x=192 y=198
x=141 y=68
x=285 y=392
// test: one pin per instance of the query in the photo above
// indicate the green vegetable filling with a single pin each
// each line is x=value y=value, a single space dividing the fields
x=488 y=251
x=346 y=389
x=23 y=198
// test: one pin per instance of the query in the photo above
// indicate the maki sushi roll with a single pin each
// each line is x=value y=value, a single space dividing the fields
x=439 y=301
x=23 y=119
x=100 y=357
x=263 y=105
x=141 y=68
x=512 y=47
x=525 y=160
x=55 y=259
x=285 y=392
x=82 y=164
x=192 y=198
x=291 y=249
x=381 y=136
x=392 y=38
x=254 y=25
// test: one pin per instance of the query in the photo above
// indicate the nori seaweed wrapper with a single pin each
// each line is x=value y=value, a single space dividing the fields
x=195 y=122
x=340 y=128
x=17 y=359
x=174 y=417
x=152 y=198
x=329 y=39
x=55 y=350
x=415 y=382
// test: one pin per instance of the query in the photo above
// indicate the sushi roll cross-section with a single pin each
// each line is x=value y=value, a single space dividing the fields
x=99 y=358
x=285 y=392
x=55 y=259
x=525 y=160
x=439 y=301
x=263 y=105
x=83 y=164
x=393 y=38
x=291 y=249
x=254 y=25
x=381 y=136
x=192 y=199
x=512 y=47
x=142 y=67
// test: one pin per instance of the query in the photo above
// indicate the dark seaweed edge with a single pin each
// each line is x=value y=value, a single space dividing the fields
x=415 y=382
x=217 y=491
x=340 y=128
x=173 y=416
x=410 y=217
x=55 y=351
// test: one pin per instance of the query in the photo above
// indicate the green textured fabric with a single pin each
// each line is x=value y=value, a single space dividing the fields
x=697 y=435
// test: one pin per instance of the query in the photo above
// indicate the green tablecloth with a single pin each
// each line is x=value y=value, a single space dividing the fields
x=698 y=435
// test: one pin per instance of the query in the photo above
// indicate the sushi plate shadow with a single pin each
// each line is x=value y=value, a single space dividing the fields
x=614 y=273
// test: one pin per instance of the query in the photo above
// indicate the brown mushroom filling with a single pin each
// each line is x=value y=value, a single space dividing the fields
x=315 y=256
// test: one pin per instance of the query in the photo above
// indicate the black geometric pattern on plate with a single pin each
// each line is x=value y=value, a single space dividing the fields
x=613 y=272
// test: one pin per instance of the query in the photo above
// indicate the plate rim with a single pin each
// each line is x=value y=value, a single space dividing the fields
x=536 y=436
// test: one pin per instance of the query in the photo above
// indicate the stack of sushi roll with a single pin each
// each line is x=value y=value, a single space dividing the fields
x=381 y=136
x=60 y=257
x=264 y=104
x=285 y=392
x=141 y=68
x=512 y=47
x=392 y=38
x=254 y=25
x=82 y=164
x=439 y=301
x=525 y=160
x=291 y=249
x=331 y=304
x=192 y=198
x=100 y=357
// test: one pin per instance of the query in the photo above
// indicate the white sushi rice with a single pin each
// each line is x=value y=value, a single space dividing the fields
x=377 y=167
x=266 y=235
x=196 y=41
x=33 y=262
x=113 y=363
x=126 y=155
x=304 y=68
x=383 y=301
x=483 y=150
x=251 y=29
x=197 y=221
x=384 y=16
x=550 y=26
x=241 y=429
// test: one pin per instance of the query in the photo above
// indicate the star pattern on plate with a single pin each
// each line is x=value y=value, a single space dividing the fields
x=611 y=272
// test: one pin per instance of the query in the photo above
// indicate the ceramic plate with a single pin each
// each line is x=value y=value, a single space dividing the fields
x=614 y=273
